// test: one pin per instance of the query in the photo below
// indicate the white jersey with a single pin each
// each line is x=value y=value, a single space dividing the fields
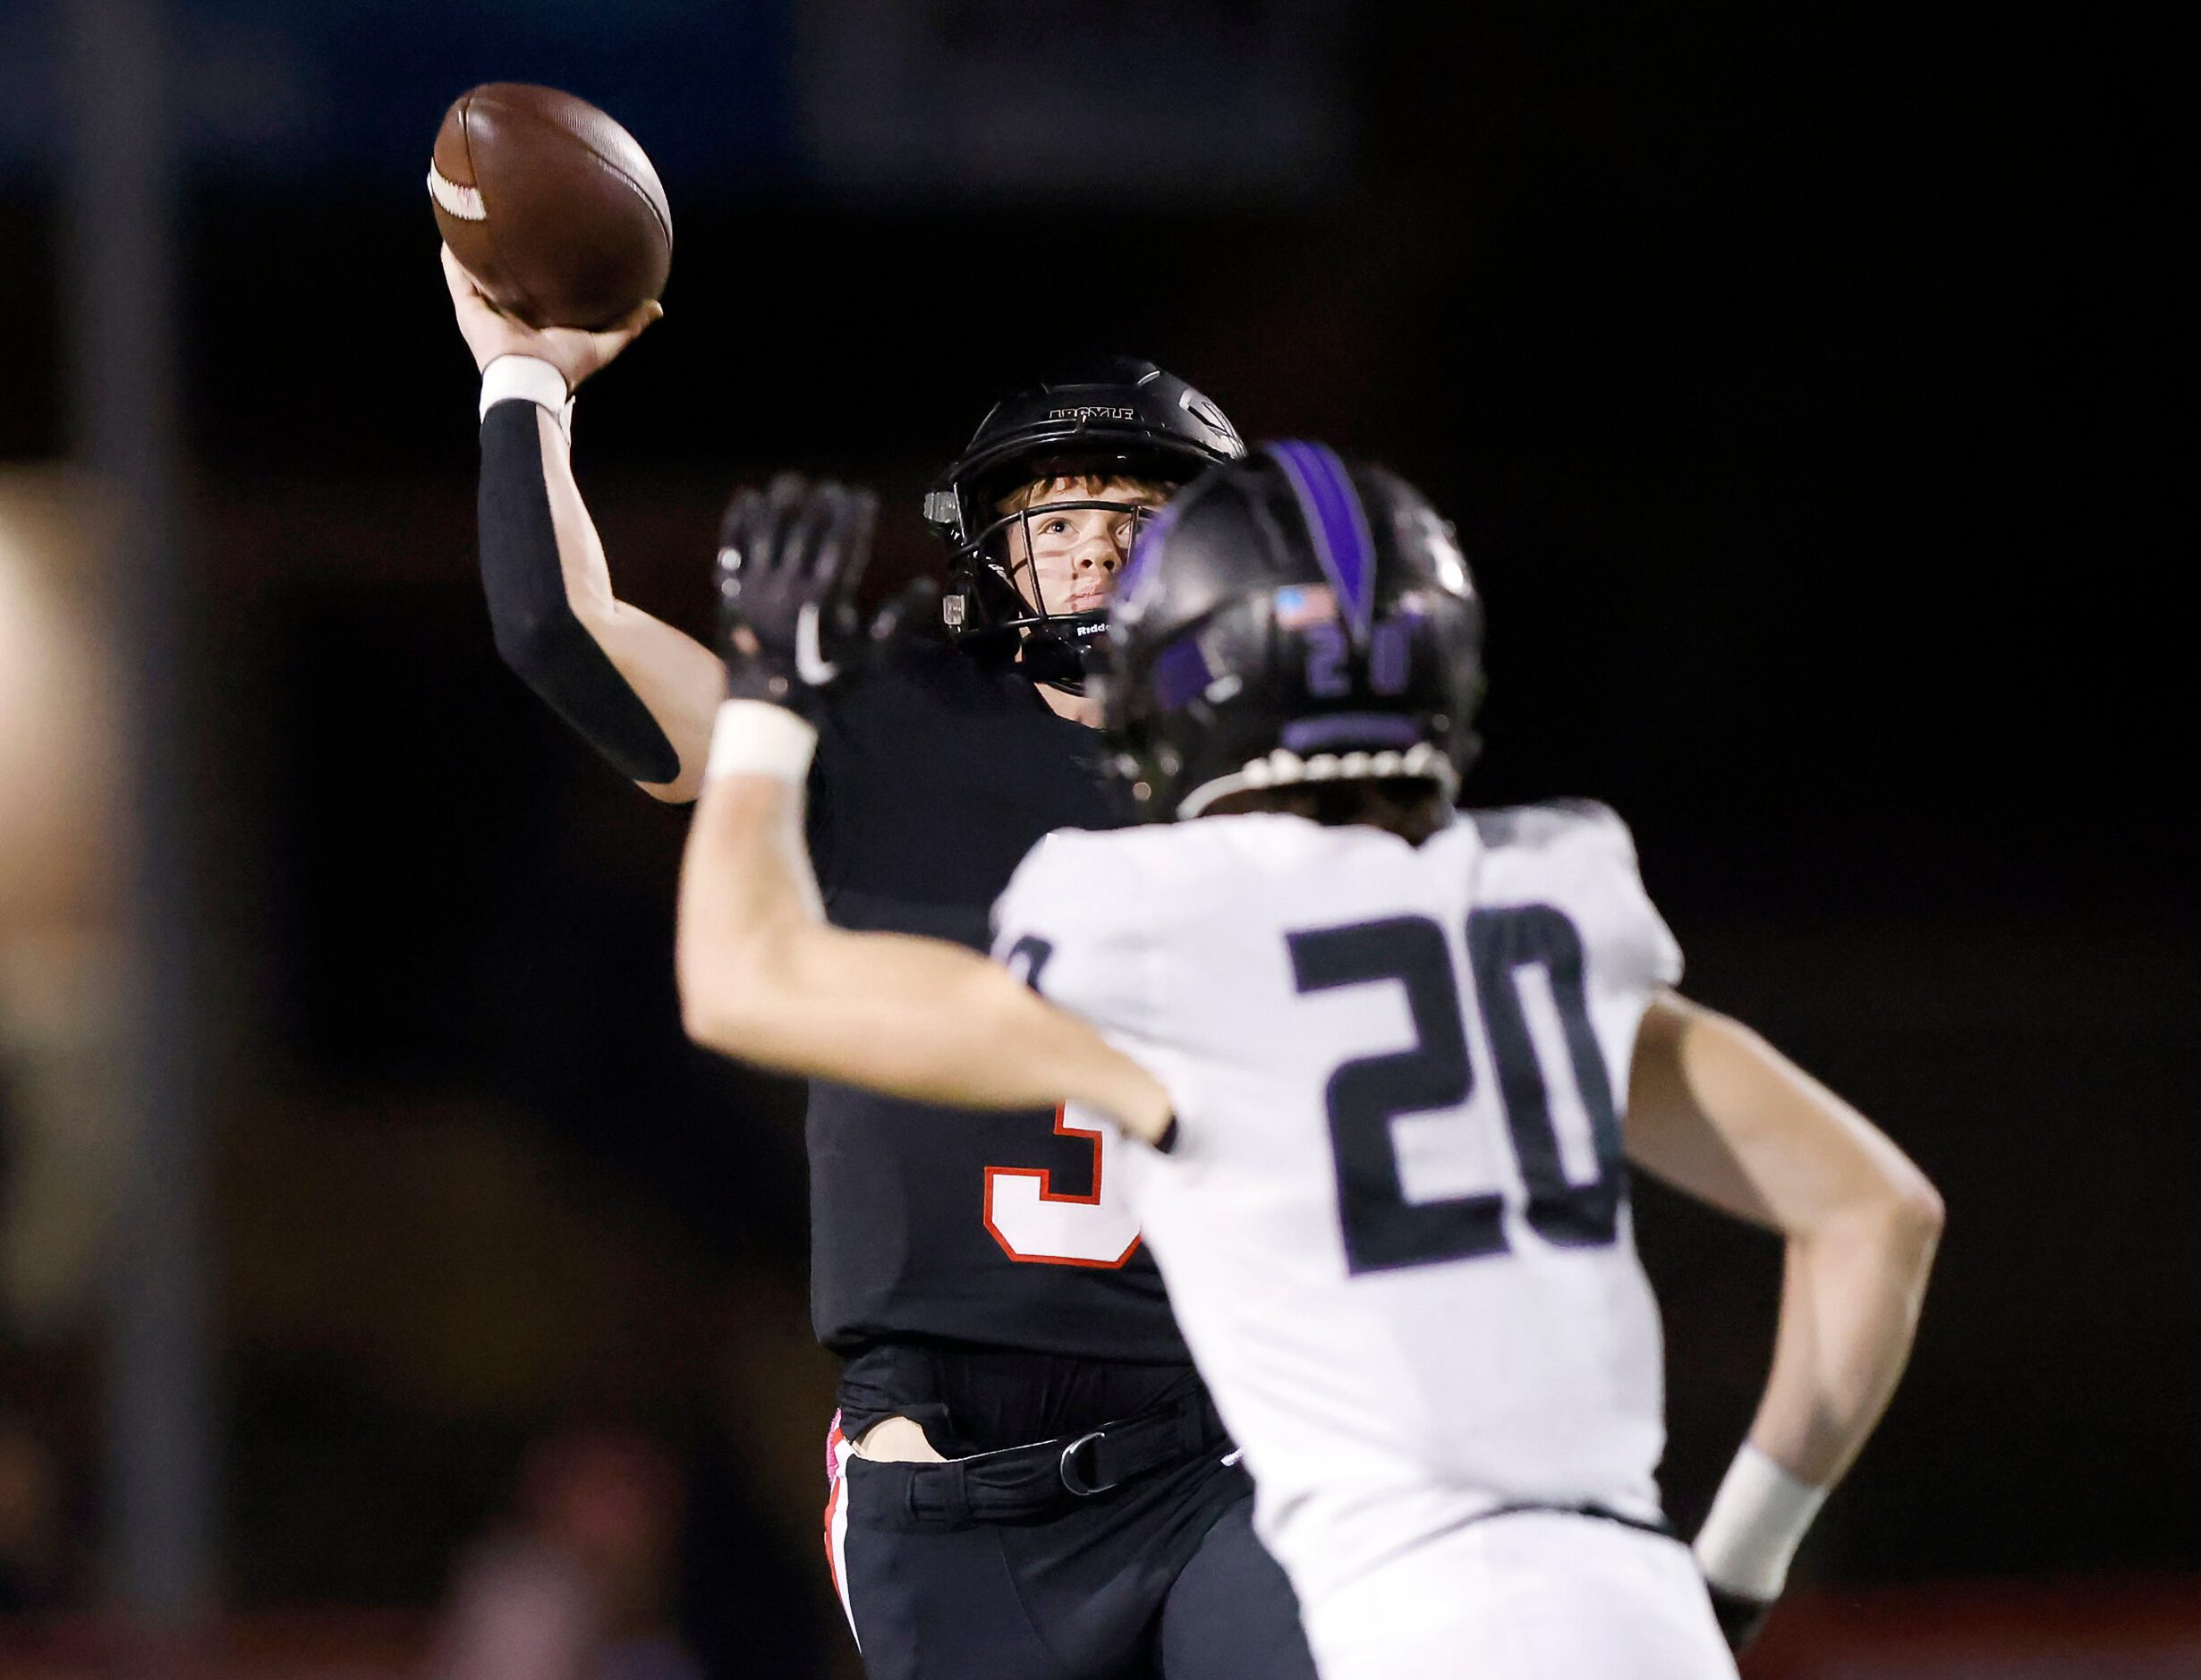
x=1395 y=1225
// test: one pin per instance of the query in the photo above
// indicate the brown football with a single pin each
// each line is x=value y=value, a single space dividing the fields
x=550 y=205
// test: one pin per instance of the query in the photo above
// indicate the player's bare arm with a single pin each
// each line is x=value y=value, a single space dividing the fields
x=762 y=976
x=646 y=694
x=1720 y=1114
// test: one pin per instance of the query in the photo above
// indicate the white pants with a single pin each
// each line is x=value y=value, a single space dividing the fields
x=1535 y=1595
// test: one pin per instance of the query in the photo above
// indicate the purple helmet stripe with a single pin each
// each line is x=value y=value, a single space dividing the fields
x=1337 y=524
x=1181 y=673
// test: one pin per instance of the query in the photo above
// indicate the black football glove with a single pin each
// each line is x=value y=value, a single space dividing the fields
x=1740 y=1617
x=790 y=557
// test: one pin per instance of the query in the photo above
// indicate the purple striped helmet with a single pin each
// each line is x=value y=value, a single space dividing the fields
x=1293 y=616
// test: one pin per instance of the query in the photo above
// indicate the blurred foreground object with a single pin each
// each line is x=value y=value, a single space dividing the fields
x=59 y=750
x=551 y=206
x=578 y=1586
x=121 y=273
x=29 y=1519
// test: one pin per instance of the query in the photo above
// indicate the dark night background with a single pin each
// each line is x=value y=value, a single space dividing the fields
x=1799 y=378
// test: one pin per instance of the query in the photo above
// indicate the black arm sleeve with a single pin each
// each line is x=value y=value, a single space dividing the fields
x=538 y=636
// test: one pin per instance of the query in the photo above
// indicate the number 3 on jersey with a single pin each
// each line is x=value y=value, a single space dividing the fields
x=1031 y=1220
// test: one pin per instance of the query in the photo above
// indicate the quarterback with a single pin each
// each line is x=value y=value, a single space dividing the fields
x=984 y=1284
x=1382 y=1067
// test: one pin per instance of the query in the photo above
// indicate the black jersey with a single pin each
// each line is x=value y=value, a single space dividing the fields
x=932 y=779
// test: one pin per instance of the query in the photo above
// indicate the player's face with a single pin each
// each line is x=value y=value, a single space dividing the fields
x=1067 y=549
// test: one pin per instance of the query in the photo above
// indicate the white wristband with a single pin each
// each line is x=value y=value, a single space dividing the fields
x=1755 y=1523
x=527 y=379
x=758 y=738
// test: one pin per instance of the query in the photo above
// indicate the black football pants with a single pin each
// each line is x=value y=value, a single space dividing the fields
x=1161 y=1579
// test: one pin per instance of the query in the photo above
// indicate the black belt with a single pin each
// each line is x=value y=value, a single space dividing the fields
x=1018 y=1483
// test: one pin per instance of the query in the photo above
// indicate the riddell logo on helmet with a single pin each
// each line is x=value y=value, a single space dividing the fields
x=1092 y=410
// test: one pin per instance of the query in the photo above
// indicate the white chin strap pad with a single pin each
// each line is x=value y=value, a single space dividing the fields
x=1282 y=768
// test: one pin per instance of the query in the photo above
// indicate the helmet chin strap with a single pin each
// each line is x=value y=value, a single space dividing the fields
x=1063 y=661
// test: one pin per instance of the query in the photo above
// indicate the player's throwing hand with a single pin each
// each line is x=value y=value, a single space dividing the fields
x=575 y=352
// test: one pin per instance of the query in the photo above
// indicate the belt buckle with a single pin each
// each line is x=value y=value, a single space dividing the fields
x=1074 y=1479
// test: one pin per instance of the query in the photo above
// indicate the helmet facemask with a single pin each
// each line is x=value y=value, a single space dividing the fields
x=1007 y=563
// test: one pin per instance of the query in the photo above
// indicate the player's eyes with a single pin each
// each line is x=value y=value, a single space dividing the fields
x=1057 y=527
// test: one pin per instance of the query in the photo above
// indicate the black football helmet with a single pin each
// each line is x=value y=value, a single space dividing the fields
x=1120 y=417
x=1291 y=618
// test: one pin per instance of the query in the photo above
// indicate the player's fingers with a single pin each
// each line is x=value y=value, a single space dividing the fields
x=855 y=519
x=738 y=513
x=829 y=562
x=743 y=537
x=460 y=282
x=612 y=340
x=466 y=293
x=786 y=490
x=745 y=574
x=806 y=547
x=787 y=496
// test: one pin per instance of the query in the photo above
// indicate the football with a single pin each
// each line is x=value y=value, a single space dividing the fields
x=551 y=206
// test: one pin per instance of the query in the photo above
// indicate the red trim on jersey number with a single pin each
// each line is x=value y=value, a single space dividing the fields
x=1043 y=1247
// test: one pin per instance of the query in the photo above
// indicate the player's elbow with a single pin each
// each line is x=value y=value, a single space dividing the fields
x=724 y=1018
x=708 y=1023
x=1921 y=1203
x=1906 y=1197
x=721 y=998
x=1916 y=1213
x=526 y=641
x=1902 y=1219
x=535 y=645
